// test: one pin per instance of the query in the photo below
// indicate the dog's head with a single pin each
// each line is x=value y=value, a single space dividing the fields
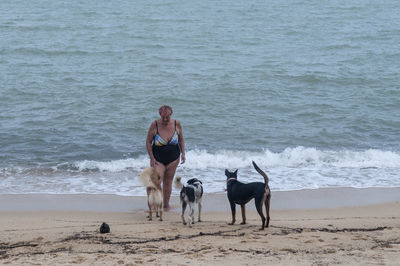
x=193 y=181
x=231 y=174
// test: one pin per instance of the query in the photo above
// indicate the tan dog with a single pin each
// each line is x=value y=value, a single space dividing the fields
x=152 y=180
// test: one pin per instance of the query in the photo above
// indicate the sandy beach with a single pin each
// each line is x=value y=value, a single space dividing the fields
x=308 y=227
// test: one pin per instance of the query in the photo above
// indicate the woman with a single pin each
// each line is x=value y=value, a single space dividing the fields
x=165 y=145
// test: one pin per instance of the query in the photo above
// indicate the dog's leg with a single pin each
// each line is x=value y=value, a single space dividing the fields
x=160 y=210
x=191 y=214
x=199 y=211
x=267 y=205
x=233 y=210
x=150 y=212
x=183 y=212
x=259 y=201
x=243 y=206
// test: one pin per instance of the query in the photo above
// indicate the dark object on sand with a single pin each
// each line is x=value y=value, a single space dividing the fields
x=104 y=228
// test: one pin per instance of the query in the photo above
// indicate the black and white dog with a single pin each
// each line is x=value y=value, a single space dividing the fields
x=191 y=193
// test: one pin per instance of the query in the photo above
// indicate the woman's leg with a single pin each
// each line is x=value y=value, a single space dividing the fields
x=160 y=168
x=167 y=182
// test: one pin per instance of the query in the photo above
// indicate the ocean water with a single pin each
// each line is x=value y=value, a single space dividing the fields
x=307 y=89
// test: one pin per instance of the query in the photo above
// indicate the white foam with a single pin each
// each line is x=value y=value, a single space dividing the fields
x=291 y=169
x=113 y=166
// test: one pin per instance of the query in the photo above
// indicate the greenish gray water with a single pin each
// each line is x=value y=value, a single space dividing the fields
x=308 y=89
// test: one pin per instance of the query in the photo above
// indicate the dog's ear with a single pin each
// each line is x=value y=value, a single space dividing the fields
x=227 y=173
x=235 y=173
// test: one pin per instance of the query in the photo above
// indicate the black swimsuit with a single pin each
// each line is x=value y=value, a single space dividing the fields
x=165 y=152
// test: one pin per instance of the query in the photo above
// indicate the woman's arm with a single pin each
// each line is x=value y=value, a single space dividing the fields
x=149 y=140
x=181 y=142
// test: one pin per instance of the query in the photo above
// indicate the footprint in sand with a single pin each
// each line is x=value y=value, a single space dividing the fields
x=290 y=250
x=39 y=239
x=78 y=260
x=329 y=251
x=100 y=256
x=359 y=237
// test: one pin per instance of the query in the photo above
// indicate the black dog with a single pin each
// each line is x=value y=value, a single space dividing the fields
x=240 y=193
x=190 y=194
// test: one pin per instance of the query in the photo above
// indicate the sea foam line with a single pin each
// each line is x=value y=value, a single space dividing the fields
x=290 y=157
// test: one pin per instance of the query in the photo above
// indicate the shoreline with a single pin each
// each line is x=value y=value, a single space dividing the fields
x=281 y=200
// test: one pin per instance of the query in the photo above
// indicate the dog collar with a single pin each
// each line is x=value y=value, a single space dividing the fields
x=230 y=179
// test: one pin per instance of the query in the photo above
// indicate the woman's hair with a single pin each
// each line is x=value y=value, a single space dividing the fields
x=164 y=108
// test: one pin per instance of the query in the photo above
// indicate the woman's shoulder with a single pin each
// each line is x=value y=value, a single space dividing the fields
x=178 y=124
x=153 y=124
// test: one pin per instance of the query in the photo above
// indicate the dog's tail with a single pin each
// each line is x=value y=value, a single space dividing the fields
x=178 y=182
x=261 y=172
x=145 y=177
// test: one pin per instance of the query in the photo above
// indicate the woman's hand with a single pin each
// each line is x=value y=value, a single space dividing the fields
x=183 y=158
x=152 y=162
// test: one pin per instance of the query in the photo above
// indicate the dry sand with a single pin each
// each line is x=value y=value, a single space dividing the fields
x=58 y=229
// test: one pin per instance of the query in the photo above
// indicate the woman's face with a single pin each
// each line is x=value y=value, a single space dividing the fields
x=165 y=116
